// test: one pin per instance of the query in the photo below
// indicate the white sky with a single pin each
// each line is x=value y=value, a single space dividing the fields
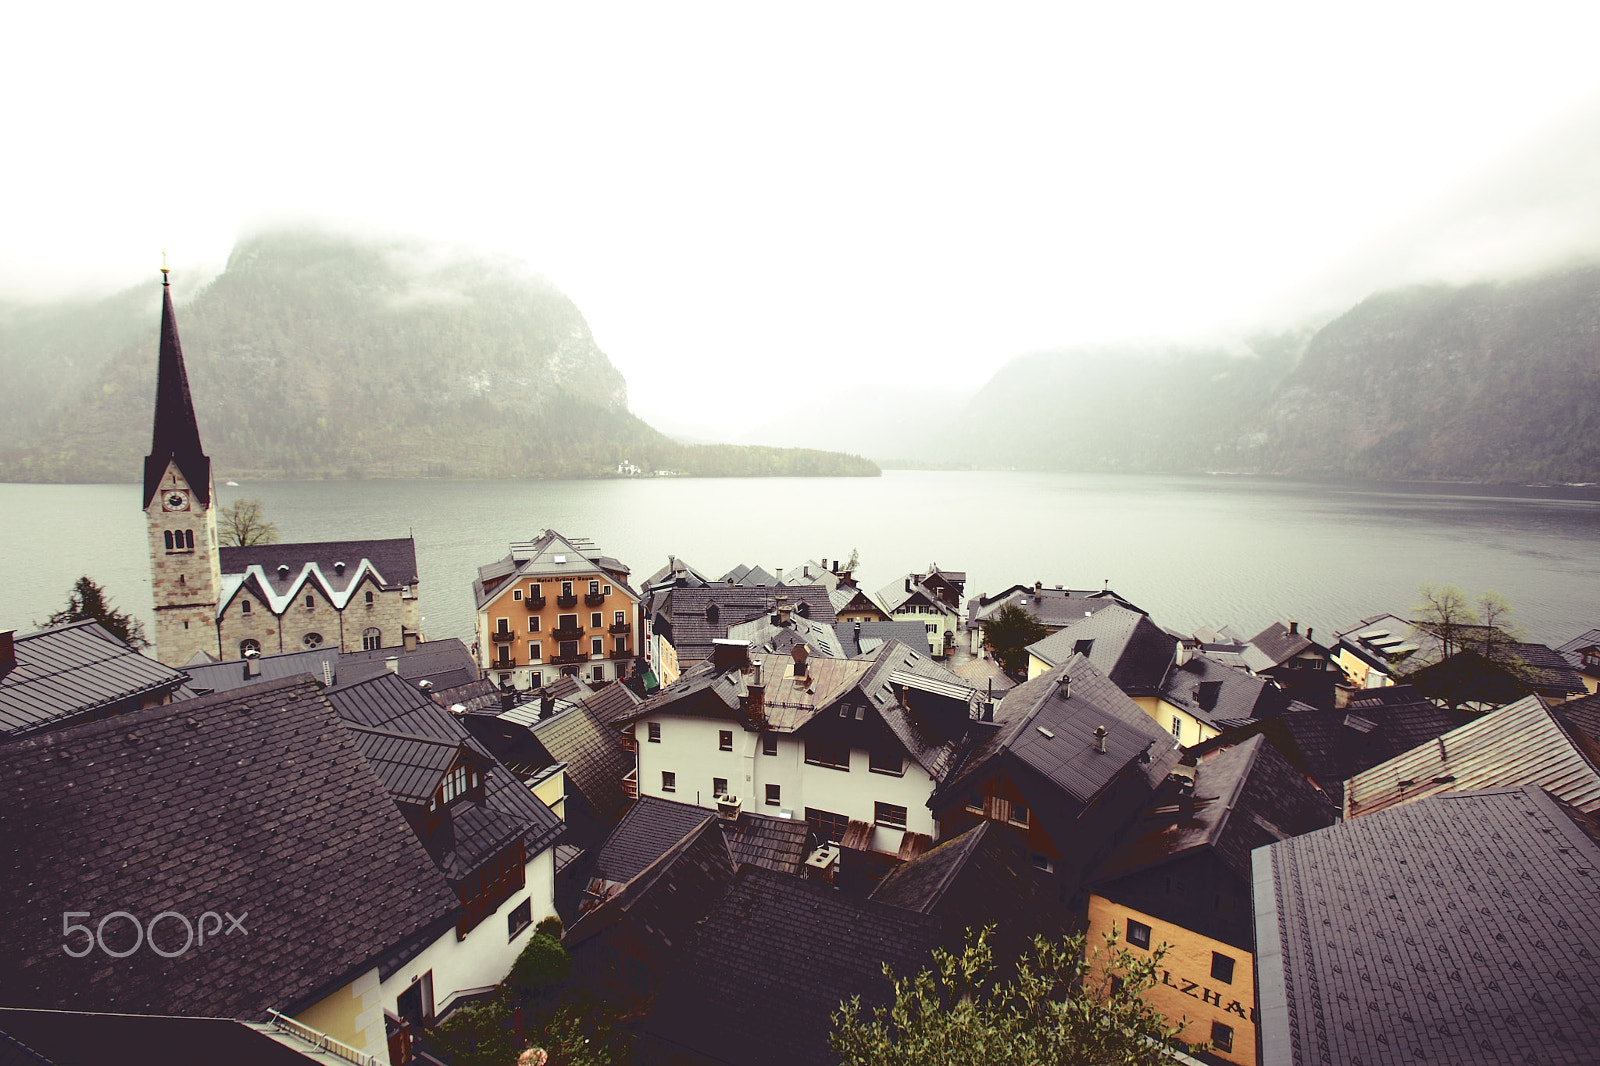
x=870 y=192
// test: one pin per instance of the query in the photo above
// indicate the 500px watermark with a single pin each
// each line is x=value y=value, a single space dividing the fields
x=194 y=933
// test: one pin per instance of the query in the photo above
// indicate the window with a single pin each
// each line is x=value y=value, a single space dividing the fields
x=502 y=625
x=535 y=652
x=669 y=781
x=1041 y=862
x=889 y=815
x=769 y=744
x=312 y=640
x=620 y=645
x=461 y=779
x=520 y=918
x=566 y=588
x=1138 y=934
x=244 y=606
x=1019 y=815
x=533 y=591
x=533 y=623
x=167 y=539
x=594 y=588
x=369 y=597
x=619 y=618
x=566 y=621
x=932 y=628
x=596 y=620
x=1221 y=1036
x=516 y=594
x=1177 y=727
x=535 y=679
x=598 y=674
x=654 y=729
x=371 y=639
x=724 y=740
x=597 y=645
x=712 y=614
x=248 y=646
x=829 y=826
x=833 y=756
x=606 y=590
x=311 y=601
x=569 y=649
x=772 y=796
x=886 y=762
x=719 y=786
x=1222 y=968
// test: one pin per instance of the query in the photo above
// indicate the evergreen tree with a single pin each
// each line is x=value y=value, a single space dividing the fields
x=86 y=602
x=1008 y=635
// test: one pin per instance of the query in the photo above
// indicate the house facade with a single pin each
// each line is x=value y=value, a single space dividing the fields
x=555 y=606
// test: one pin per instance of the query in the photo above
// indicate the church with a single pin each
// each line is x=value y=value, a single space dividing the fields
x=214 y=602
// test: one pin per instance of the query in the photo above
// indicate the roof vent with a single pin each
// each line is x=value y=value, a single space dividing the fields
x=560 y=559
x=1100 y=738
x=338 y=567
x=425 y=685
x=283 y=569
x=1048 y=735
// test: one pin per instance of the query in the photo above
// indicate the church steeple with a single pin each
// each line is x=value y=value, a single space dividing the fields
x=176 y=438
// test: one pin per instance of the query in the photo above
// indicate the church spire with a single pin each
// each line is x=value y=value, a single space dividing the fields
x=176 y=438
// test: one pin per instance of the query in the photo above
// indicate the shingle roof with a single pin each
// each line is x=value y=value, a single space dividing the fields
x=1521 y=743
x=321 y=663
x=895 y=595
x=70 y=670
x=650 y=829
x=593 y=752
x=1275 y=645
x=549 y=556
x=393 y=561
x=1572 y=650
x=81 y=1038
x=852 y=641
x=566 y=686
x=611 y=702
x=1125 y=645
x=772 y=962
x=692 y=632
x=256 y=801
x=1460 y=929
x=175 y=437
x=1051 y=607
x=780 y=844
x=409 y=767
x=1217 y=693
x=445 y=662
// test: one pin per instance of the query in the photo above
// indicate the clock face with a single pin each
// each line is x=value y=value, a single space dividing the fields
x=175 y=500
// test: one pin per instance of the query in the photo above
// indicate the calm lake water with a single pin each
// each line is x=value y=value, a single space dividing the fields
x=1190 y=550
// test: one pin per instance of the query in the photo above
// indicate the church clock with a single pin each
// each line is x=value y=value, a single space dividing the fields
x=175 y=500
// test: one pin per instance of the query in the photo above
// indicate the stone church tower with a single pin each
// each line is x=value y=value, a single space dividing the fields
x=180 y=510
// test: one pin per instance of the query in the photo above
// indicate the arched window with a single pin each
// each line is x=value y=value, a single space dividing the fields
x=311 y=601
x=244 y=606
x=369 y=596
x=371 y=639
x=248 y=646
x=167 y=536
x=312 y=640
x=188 y=538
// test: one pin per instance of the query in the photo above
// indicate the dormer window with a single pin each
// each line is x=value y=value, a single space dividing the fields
x=712 y=613
x=457 y=783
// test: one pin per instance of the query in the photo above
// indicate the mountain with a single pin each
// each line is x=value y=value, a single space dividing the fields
x=321 y=354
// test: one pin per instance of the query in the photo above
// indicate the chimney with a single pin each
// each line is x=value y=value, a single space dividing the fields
x=730 y=654
x=1186 y=800
x=728 y=808
x=1308 y=632
x=782 y=602
x=908 y=582
x=824 y=562
x=8 y=649
x=1100 y=738
x=252 y=659
x=392 y=664
x=799 y=652
x=858 y=631
x=547 y=705
x=756 y=705
x=1294 y=627
x=1184 y=653
x=1038 y=587
x=1065 y=684
x=408 y=637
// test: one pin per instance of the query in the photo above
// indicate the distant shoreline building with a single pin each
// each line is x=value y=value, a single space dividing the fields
x=214 y=603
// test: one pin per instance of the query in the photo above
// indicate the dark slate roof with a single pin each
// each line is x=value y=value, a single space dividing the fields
x=771 y=963
x=1460 y=929
x=548 y=557
x=395 y=559
x=409 y=767
x=593 y=753
x=780 y=844
x=1219 y=694
x=1581 y=715
x=255 y=801
x=1547 y=670
x=72 y=670
x=1520 y=743
x=692 y=633
x=1244 y=798
x=611 y=702
x=1051 y=607
x=766 y=634
x=564 y=687
x=78 y=1038
x=1572 y=650
x=1126 y=646
x=176 y=435
x=897 y=594
x=650 y=829
x=467 y=835
x=1275 y=645
x=321 y=663
x=446 y=663
x=854 y=642
x=1067 y=757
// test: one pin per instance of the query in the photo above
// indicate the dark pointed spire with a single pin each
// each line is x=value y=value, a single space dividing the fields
x=177 y=435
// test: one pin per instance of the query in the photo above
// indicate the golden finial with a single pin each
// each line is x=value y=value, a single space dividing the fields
x=164 y=271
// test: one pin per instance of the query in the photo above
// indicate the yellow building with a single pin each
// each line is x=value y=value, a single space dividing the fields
x=1182 y=879
x=555 y=606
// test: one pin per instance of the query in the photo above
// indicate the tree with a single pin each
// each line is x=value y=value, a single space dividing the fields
x=1474 y=660
x=853 y=562
x=243 y=523
x=1008 y=634
x=1062 y=1006
x=1443 y=613
x=87 y=601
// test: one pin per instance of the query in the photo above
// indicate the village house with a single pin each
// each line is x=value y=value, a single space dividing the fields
x=933 y=600
x=1373 y=652
x=74 y=673
x=1583 y=655
x=1181 y=878
x=532 y=627
x=687 y=620
x=1053 y=608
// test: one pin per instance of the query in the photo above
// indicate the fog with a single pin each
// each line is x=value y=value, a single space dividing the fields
x=835 y=193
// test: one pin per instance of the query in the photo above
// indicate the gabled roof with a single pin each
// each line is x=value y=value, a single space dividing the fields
x=651 y=828
x=1125 y=645
x=1274 y=646
x=854 y=642
x=771 y=963
x=321 y=663
x=1572 y=650
x=1243 y=798
x=255 y=801
x=176 y=435
x=548 y=557
x=445 y=663
x=409 y=767
x=780 y=844
x=898 y=595
x=765 y=634
x=388 y=564
x=1219 y=694
x=1521 y=743
x=71 y=670
x=1054 y=734
x=1051 y=607
x=593 y=753
x=611 y=702
x=692 y=630
x=1460 y=928
x=749 y=576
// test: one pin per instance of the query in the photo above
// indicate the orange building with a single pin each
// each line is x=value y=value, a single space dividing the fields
x=556 y=606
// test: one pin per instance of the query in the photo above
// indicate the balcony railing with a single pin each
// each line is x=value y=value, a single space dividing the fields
x=503 y=636
x=621 y=629
x=622 y=654
x=594 y=599
x=503 y=664
x=566 y=601
x=534 y=603
x=559 y=659
x=567 y=633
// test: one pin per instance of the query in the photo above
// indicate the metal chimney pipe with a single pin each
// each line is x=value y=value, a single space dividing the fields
x=1100 y=738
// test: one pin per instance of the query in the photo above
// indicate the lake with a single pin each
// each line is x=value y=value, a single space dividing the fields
x=1190 y=550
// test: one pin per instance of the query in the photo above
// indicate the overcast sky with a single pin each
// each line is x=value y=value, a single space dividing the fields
x=871 y=192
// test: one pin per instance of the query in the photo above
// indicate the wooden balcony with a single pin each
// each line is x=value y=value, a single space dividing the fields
x=567 y=633
x=503 y=664
x=623 y=654
x=534 y=603
x=564 y=659
x=594 y=599
x=620 y=629
x=503 y=636
x=566 y=601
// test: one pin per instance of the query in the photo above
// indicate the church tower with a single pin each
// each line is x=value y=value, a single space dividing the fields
x=180 y=510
